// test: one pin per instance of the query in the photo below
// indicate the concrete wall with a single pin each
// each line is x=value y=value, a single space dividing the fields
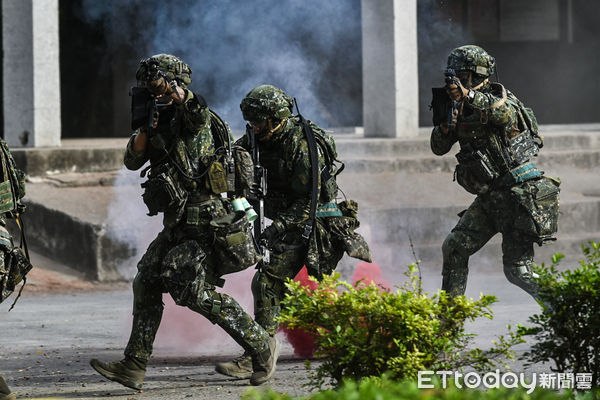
x=31 y=80
x=390 y=76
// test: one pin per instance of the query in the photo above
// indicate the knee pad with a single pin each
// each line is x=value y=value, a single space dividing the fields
x=517 y=273
x=522 y=276
x=146 y=295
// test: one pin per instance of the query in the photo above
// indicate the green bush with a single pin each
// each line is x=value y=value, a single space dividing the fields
x=387 y=389
x=364 y=330
x=568 y=329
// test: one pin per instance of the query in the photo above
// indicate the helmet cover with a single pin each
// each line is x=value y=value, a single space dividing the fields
x=266 y=101
x=172 y=67
x=472 y=58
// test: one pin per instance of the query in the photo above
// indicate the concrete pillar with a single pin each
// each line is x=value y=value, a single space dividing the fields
x=31 y=73
x=390 y=71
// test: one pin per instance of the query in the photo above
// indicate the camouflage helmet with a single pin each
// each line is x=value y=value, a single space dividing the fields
x=171 y=66
x=472 y=58
x=266 y=101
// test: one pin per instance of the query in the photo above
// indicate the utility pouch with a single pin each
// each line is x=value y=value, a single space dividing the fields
x=342 y=229
x=478 y=164
x=244 y=171
x=217 y=177
x=474 y=171
x=162 y=192
x=234 y=246
x=540 y=200
x=523 y=147
x=329 y=187
x=15 y=267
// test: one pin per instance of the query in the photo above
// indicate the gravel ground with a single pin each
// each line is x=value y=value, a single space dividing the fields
x=62 y=321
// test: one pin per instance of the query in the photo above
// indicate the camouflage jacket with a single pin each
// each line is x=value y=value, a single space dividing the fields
x=485 y=115
x=287 y=160
x=184 y=132
x=12 y=184
x=491 y=126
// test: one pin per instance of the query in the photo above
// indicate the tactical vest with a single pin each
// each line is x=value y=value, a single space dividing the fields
x=491 y=158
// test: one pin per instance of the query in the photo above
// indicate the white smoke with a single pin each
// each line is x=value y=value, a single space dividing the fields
x=310 y=48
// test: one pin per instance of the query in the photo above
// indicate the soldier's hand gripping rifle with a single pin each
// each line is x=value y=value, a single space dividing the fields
x=259 y=192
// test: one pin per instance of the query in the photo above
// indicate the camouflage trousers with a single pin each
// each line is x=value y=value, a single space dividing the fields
x=498 y=211
x=288 y=254
x=184 y=270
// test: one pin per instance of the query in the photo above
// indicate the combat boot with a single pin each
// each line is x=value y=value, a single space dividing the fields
x=128 y=372
x=264 y=363
x=240 y=367
x=5 y=393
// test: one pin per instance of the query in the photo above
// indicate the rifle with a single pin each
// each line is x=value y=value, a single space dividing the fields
x=454 y=109
x=260 y=186
x=145 y=108
x=144 y=105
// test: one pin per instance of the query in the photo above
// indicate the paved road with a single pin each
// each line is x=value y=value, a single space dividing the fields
x=48 y=339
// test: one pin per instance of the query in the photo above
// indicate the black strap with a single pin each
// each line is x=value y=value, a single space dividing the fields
x=314 y=166
x=23 y=246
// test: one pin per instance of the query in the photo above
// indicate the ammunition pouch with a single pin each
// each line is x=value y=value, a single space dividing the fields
x=234 y=246
x=522 y=147
x=244 y=171
x=162 y=192
x=475 y=171
x=342 y=229
x=217 y=177
x=540 y=200
x=12 y=271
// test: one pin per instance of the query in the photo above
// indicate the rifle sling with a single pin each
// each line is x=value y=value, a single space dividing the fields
x=314 y=166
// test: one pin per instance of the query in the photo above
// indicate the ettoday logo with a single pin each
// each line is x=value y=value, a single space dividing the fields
x=495 y=379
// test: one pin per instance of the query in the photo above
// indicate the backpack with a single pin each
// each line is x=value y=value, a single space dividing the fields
x=527 y=120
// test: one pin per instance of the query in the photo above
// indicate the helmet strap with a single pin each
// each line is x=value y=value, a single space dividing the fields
x=280 y=125
x=484 y=82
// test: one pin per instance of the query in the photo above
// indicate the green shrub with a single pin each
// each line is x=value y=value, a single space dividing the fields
x=364 y=330
x=568 y=329
x=387 y=389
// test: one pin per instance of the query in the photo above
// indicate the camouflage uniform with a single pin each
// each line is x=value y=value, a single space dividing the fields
x=285 y=155
x=13 y=263
x=513 y=196
x=180 y=260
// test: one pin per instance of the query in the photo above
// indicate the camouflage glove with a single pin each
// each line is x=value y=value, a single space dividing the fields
x=159 y=86
x=456 y=90
x=270 y=233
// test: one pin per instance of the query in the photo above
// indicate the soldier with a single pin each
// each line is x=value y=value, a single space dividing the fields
x=498 y=137
x=181 y=260
x=14 y=262
x=294 y=238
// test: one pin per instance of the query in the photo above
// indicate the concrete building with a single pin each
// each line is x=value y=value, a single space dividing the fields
x=68 y=64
